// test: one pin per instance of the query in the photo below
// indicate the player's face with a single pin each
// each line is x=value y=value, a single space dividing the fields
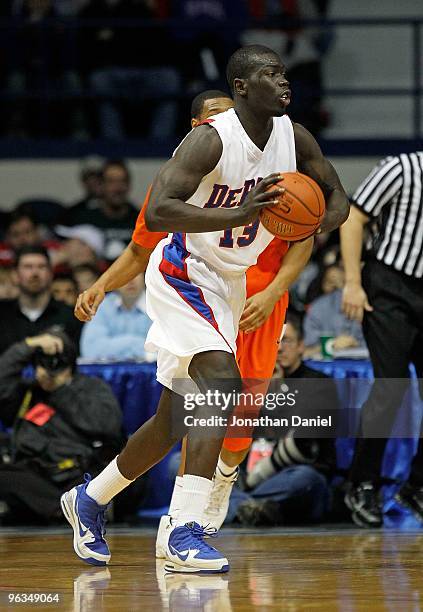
x=267 y=87
x=211 y=107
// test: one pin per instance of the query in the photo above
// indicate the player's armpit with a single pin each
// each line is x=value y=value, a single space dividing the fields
x=311 y=161
x=179 y=179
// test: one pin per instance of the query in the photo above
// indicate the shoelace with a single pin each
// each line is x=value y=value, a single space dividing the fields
x=199 y=533
x=98 y=524
x=100 y=528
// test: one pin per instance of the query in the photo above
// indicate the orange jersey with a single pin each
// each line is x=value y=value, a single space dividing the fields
x=268 y=264
x=141 y=235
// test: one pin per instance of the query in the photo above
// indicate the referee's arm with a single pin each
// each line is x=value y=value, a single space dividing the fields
x=354 y=298
x=375 y=192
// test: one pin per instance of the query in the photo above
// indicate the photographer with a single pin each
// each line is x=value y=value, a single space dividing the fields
x=64 y=424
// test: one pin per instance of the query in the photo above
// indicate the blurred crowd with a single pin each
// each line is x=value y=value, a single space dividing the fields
x=72 y=245
x=117 y=69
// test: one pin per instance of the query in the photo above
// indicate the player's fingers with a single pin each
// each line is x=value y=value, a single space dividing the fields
x=248 y=310
x=249 y=320
x=254 y=325
x=82 y=309
x=272 y=179
x=96 y=303
x=272 y=195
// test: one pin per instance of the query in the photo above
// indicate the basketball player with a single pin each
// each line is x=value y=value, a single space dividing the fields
x=260 y=326
x=258 y=339
x=209 y=195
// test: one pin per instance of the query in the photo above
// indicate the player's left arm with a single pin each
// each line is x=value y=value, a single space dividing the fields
x=259 y=307
x=311 y=161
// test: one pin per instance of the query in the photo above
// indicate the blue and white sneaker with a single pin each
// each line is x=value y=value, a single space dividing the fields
x=188 y=552
x=86 y=517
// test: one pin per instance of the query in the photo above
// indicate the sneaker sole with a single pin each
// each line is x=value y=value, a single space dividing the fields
x=186 y=569
x=160 y=553
x=357 y=518
x=67 y=503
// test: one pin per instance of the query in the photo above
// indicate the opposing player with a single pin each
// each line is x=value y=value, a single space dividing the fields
x=209 y=195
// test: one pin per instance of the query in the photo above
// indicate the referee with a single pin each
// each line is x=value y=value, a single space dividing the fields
x=387 y=296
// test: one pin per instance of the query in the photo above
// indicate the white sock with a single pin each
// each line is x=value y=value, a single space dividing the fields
x=194 y=497
x=225 y=470
x=107 y=484
x=175 y=502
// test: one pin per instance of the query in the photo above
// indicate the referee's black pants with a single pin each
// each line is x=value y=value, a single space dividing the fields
x=394 y=336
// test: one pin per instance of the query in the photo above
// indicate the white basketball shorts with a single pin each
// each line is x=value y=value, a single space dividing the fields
x=193 y=307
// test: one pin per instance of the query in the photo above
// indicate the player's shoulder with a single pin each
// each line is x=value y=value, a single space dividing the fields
x=301 y=134
x=202 y=143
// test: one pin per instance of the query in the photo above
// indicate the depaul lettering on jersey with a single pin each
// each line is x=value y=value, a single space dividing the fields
x=223 y=197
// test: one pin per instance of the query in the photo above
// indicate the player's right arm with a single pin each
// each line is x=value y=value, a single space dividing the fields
x=179 y=179
x=354 y=298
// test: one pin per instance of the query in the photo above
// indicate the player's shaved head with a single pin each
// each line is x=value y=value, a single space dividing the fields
x=197 y=105
x=245 y=60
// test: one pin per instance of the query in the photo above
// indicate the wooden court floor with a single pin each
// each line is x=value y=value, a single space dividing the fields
x=346 y=570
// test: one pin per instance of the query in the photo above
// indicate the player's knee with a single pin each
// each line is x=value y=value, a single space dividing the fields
x=214 y=365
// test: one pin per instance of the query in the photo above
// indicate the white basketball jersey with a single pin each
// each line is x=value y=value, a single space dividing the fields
x=241 y=166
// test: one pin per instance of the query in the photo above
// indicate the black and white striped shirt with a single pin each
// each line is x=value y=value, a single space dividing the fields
x=392 y=195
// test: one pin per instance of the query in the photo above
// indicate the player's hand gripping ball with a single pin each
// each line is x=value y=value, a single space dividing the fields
x=299 y=211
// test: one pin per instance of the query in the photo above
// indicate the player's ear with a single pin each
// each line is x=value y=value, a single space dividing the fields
x=240 y=87
x=194 y=122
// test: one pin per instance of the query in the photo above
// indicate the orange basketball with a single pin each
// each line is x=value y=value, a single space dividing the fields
x=299 y=210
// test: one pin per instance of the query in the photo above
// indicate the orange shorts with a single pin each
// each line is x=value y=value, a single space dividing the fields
x=256 y=357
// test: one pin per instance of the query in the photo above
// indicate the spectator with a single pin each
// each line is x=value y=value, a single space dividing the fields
x=34 y=310
x=85 y=276
x=120 y=326
x=91 y=178
x=64 y=424
x=328 y=279
x=116 y=216
x=308 y=286
x=8 y=289
x=22 y=230
x=293 y=484
x=65 y=289
x=124 y=62
x=325 y=318
x=84 y=245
